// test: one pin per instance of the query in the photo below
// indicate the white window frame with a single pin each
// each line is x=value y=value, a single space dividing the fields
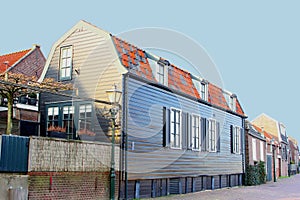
x=203 y=89
x=232 y=103
x=163 y=74
x=68 y=59
x=237 y=139
x=194 y=129
x=262 y=157
x=212 y=135
x=254 y=149
x=173 y=127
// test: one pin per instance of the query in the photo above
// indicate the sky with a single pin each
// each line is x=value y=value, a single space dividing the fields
x=255 y=45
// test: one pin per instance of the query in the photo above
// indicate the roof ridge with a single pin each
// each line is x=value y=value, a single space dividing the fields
x=8 y=54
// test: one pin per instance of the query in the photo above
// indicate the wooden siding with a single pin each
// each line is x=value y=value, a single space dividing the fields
x=95 y=58
x=147 y=158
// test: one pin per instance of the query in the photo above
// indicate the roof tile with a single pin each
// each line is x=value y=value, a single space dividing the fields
x=11 y=58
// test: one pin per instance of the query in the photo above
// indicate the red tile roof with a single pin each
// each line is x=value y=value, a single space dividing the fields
x=133 y=58
x=136 y=61
x=181 y=80
x=216 y=96
x=11 y=58
x=267 y=135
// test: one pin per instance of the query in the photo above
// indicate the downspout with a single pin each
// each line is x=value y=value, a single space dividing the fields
x=244 y=146
x=124 y=134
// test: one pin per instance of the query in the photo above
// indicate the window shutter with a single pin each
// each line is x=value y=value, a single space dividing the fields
x=218 y=137
x=166 y=127
x=189 y=132
x=231 y=138
x=207 y=135
x=184 y=130
x=203 y=134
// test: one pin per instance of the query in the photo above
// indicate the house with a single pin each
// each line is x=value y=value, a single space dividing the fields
x=29 y=62
x=272 y=150
x=178 y=132
x=255 y=148
x=293 y=155
x=276 y=129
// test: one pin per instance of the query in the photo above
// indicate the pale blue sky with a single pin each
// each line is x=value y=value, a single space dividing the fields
x=255 y=45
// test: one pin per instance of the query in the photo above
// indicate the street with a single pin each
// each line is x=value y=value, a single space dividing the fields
x=283 y=189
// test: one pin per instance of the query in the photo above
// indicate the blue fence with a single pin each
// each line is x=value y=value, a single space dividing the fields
x=14 y=153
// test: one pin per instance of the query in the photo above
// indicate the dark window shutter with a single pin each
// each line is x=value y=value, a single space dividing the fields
x=184 y=130
x=189 y=131
x=166 y=127
x=218 y=137
x=241 y=140
x=203 y=134
x=231 y=138
x=207 y=135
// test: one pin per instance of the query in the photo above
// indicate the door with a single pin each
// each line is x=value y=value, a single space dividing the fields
x=269 y=167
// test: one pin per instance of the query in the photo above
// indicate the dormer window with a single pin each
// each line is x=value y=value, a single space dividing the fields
x=232 y=102
x=160 y=70
x=65 y=65
x=203 y=90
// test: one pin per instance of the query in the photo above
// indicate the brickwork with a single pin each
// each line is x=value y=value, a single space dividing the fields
x=70 y=185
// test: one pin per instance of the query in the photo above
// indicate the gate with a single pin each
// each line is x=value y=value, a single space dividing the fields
x=269 y=167
x=14 y=153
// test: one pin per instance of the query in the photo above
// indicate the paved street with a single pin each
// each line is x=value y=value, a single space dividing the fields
x=284 y=189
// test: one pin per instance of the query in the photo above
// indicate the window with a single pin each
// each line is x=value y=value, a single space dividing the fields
x=53 y=114
x=68 y=115
x=232 y=103
x=262 y=158
x=65 y=63
x=175 y=128
x=235 y=139
x=212 y=136
x=203 y=91
x=195 y=133
x=254 y=149
x=161 y=74
x=85 y=118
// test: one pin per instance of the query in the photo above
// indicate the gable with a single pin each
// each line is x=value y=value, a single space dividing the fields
x=11 y=59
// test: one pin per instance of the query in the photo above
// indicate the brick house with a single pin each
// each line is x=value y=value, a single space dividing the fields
x=293 y=155
x=29 y=62
x=255 y=145
x=277 y=130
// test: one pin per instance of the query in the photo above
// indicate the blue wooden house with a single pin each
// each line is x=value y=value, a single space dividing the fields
x=178 y=133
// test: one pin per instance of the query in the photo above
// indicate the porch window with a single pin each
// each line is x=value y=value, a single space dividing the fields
x=68 y=118
x=175 y=127
x=85 y=119
x=53 y=117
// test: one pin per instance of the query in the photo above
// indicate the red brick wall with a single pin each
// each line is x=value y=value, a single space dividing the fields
x=70 y=185
x=32 y=65
x=27 y=115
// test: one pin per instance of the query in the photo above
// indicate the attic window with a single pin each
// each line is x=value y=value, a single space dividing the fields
x=65 y=66
x=232 y=102
x=203 y=91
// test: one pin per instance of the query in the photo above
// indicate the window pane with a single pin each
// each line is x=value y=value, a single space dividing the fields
x=50 y=111
x=68 y=62
x=69 y=52
x=63 y=72
x=68 y=72
x=64 y=52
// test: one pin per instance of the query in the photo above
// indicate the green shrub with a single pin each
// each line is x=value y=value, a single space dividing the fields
x=255 y=174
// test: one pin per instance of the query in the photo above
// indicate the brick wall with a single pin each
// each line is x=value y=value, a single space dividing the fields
x=62 y=169
x=70 y=185
x=32 y=65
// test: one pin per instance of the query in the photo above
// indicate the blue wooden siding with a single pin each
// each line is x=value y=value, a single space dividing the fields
x=147 y=158
x=14 y=153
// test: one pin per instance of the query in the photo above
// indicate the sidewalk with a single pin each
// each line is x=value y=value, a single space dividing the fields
x=283 y=189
